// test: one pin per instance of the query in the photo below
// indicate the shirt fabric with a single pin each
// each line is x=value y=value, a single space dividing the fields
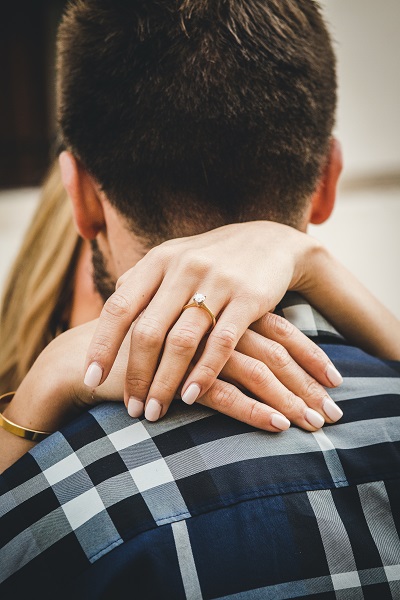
x=200 y=506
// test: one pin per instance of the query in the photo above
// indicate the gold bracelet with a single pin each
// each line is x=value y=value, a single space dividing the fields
x=28 y=434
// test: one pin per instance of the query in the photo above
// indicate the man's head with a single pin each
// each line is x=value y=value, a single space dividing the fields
x=190 y=114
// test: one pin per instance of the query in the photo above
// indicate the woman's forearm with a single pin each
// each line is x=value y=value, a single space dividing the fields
x=47 y=397
x=351 y=308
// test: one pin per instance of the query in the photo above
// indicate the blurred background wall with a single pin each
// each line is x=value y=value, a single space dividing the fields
x=27 y=42
x=364 y=230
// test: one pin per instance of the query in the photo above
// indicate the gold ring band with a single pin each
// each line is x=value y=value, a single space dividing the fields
x=198 y=302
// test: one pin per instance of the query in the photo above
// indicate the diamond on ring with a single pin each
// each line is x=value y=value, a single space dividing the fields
x=199 y=298
x=198 y=301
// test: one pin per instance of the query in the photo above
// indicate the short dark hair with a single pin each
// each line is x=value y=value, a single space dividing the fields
x=199 y=112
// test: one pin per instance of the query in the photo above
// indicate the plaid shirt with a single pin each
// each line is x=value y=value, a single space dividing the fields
x=198 y=505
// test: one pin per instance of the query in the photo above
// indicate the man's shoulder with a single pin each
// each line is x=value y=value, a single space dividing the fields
x=106 y=479
x=106 y=449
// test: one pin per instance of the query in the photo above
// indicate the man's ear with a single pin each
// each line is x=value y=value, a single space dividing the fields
x=324 y=198
x=86 y=204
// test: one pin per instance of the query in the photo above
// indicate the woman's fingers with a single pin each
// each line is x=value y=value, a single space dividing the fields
x=229 y=400
x=307 y=354
x=281 y=383
x=289 y=372
x=265 y=367
x=219 y=347
x=156 y=369
x=119 y=312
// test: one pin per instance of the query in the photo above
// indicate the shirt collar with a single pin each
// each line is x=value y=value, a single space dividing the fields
x=307 y=319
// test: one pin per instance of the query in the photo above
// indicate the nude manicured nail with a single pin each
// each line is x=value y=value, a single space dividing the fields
x=135 y=407
x=191 y=394
x=93 y=375
x=153 y=410
x=333 y=375
x=332 y=410
x=314 y=418
x=280 y=422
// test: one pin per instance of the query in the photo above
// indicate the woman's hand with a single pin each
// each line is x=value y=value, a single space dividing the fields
x=243 y=271
x=262 y=377
x=52 y=393
x=261 y=384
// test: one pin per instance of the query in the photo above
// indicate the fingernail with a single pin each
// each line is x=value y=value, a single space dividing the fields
x=93 y=375
x=333 y=375
x=280 y=422
x=332 y=410
x=135 y=407
x=191 y=394
x=153 y=410
x=314 y=418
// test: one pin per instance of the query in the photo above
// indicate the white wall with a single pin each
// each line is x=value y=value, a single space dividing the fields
x=367 y=44
x=16 y=209
x=364 y=230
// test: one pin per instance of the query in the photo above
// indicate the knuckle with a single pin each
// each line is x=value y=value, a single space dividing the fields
x=191 y=262
x=207 y=372
x=254 y=412
x=312 y=390
x=316 y=354
x=124 y=277
x=197 y=263
x=225 y=397
x=165 y=248
x=230 y=280
x=164 y=387
x=279 y=356
x=182 y=340
x=102 y=345
x=226 y=338
x=137 y=384
x=289 y=403
x=159 y=255
x=120 y=281
x=259 y=374
x=252 y=297
x=256 y=295
x=156 y=252
x=147 y=333
x=279 y=326
x=117 y=306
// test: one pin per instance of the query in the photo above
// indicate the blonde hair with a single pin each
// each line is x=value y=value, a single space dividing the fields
x=37 y=293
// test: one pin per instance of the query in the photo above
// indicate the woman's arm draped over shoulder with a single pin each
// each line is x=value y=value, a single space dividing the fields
x=249 y=261
x=244 y=270
x=351 y=308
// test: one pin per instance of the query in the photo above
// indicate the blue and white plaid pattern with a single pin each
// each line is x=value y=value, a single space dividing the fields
x=200 y=506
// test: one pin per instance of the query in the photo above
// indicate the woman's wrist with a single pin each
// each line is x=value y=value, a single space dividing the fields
x=46 y=398
x=309 y=254
x=37 y=409
x=345 y=302
x=33 y=435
